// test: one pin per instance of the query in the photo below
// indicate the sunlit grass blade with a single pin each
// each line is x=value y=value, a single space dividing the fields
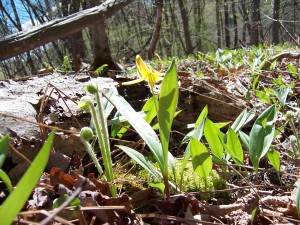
x=261 y=135
x=6 y=180
x=16 y=200
x=211 y=133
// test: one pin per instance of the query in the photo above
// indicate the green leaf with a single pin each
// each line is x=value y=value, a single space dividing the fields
x=4 y=146
x=59 y=201
x=274 y=159
x=150 y=109
x=245 y=139
x=263 y=96
x=282 y=94
x=16 y=200
x=243 y=119
x=201 y=160
x=168 y=100
x=6 y=180
x=261 y=135
x=298 y=199
x=211 y=133
x=293 y=71
x=233 y=143
x=141 y=126
x=159 y=185
x=140 y=159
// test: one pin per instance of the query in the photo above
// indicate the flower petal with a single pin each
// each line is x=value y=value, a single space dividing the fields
x=134 y=81
x=142 y=67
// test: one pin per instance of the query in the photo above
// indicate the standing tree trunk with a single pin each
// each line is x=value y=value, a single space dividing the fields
x=218 y=21
x=156 y=32
x=185 y=24
x=276 y=23
x=256 y=23
x=236 y=33
x=245 y=15
x=226 y=21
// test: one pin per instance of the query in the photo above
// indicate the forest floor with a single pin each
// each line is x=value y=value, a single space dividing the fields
x=235 y=194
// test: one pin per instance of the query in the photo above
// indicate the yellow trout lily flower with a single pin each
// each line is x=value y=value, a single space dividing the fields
x=147 y=73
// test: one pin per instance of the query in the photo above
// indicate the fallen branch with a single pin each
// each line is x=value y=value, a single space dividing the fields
x=280 y=56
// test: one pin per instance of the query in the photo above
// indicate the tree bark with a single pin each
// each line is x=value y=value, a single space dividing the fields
x=21 y=42
x=156 y=32
x=256 y=23
x=218 y=21
x=236 y=33
x=276 y=24
x=185 y=24
x=226 y=20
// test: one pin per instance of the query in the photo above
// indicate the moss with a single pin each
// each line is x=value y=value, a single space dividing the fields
x=138 y=178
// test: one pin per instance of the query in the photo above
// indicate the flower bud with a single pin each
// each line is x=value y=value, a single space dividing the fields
x=293 y=139
x=86 y=133
x=91 y=88
x=85 y=103
x=289 y=115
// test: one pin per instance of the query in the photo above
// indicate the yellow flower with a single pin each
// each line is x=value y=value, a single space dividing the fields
x=147 y=73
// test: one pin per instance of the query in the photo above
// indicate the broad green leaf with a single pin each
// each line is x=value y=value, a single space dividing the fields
x=6 y=180
x=255 y=83
x=274 y=159
x=233 y=143
x=245 y=139
x=243 y=119
x=141 y=160
x=261 y=135
x=298 y=199
x=211 y=133
x=159 y=185
x=59 y=201
x=197 y=134
x=202 y=162
x=141 y=126
x=18 y=197
x=4 y=146
x=263 y=96
x=168 y=99
x=150 y=109
x=282 y=94
x=293 y=71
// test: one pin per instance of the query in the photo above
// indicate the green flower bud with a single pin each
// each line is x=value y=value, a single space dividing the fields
x=85 y=103
x=91 y=88
x=289 y=115
x=293 y=139
x=86 y=133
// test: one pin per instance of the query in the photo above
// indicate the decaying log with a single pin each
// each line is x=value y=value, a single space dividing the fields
x=280 y=56
x=24 y=41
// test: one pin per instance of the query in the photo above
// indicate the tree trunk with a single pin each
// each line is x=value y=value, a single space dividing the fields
x=226 y=20
x=256 y=23
x=236 y=33
x=156 y=32
x=218 y=22
x=185 y=24
x=276 y=24
x=21 y=42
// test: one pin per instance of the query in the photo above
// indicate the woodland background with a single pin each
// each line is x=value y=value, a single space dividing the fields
x=167 y=27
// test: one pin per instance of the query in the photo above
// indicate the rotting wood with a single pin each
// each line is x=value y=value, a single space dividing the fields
x=24 y=41
x=280 y=56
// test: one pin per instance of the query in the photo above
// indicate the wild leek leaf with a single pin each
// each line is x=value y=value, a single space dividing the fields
x=234 y=144
x=4 y=146
x=16 y=200
x=274 y=159
x=141 y=160
x=211 y=133
x=243 y=119
x=201 y=160
x=168 y=99
x=282 y=94
x=298 y=199
x=261 y=135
